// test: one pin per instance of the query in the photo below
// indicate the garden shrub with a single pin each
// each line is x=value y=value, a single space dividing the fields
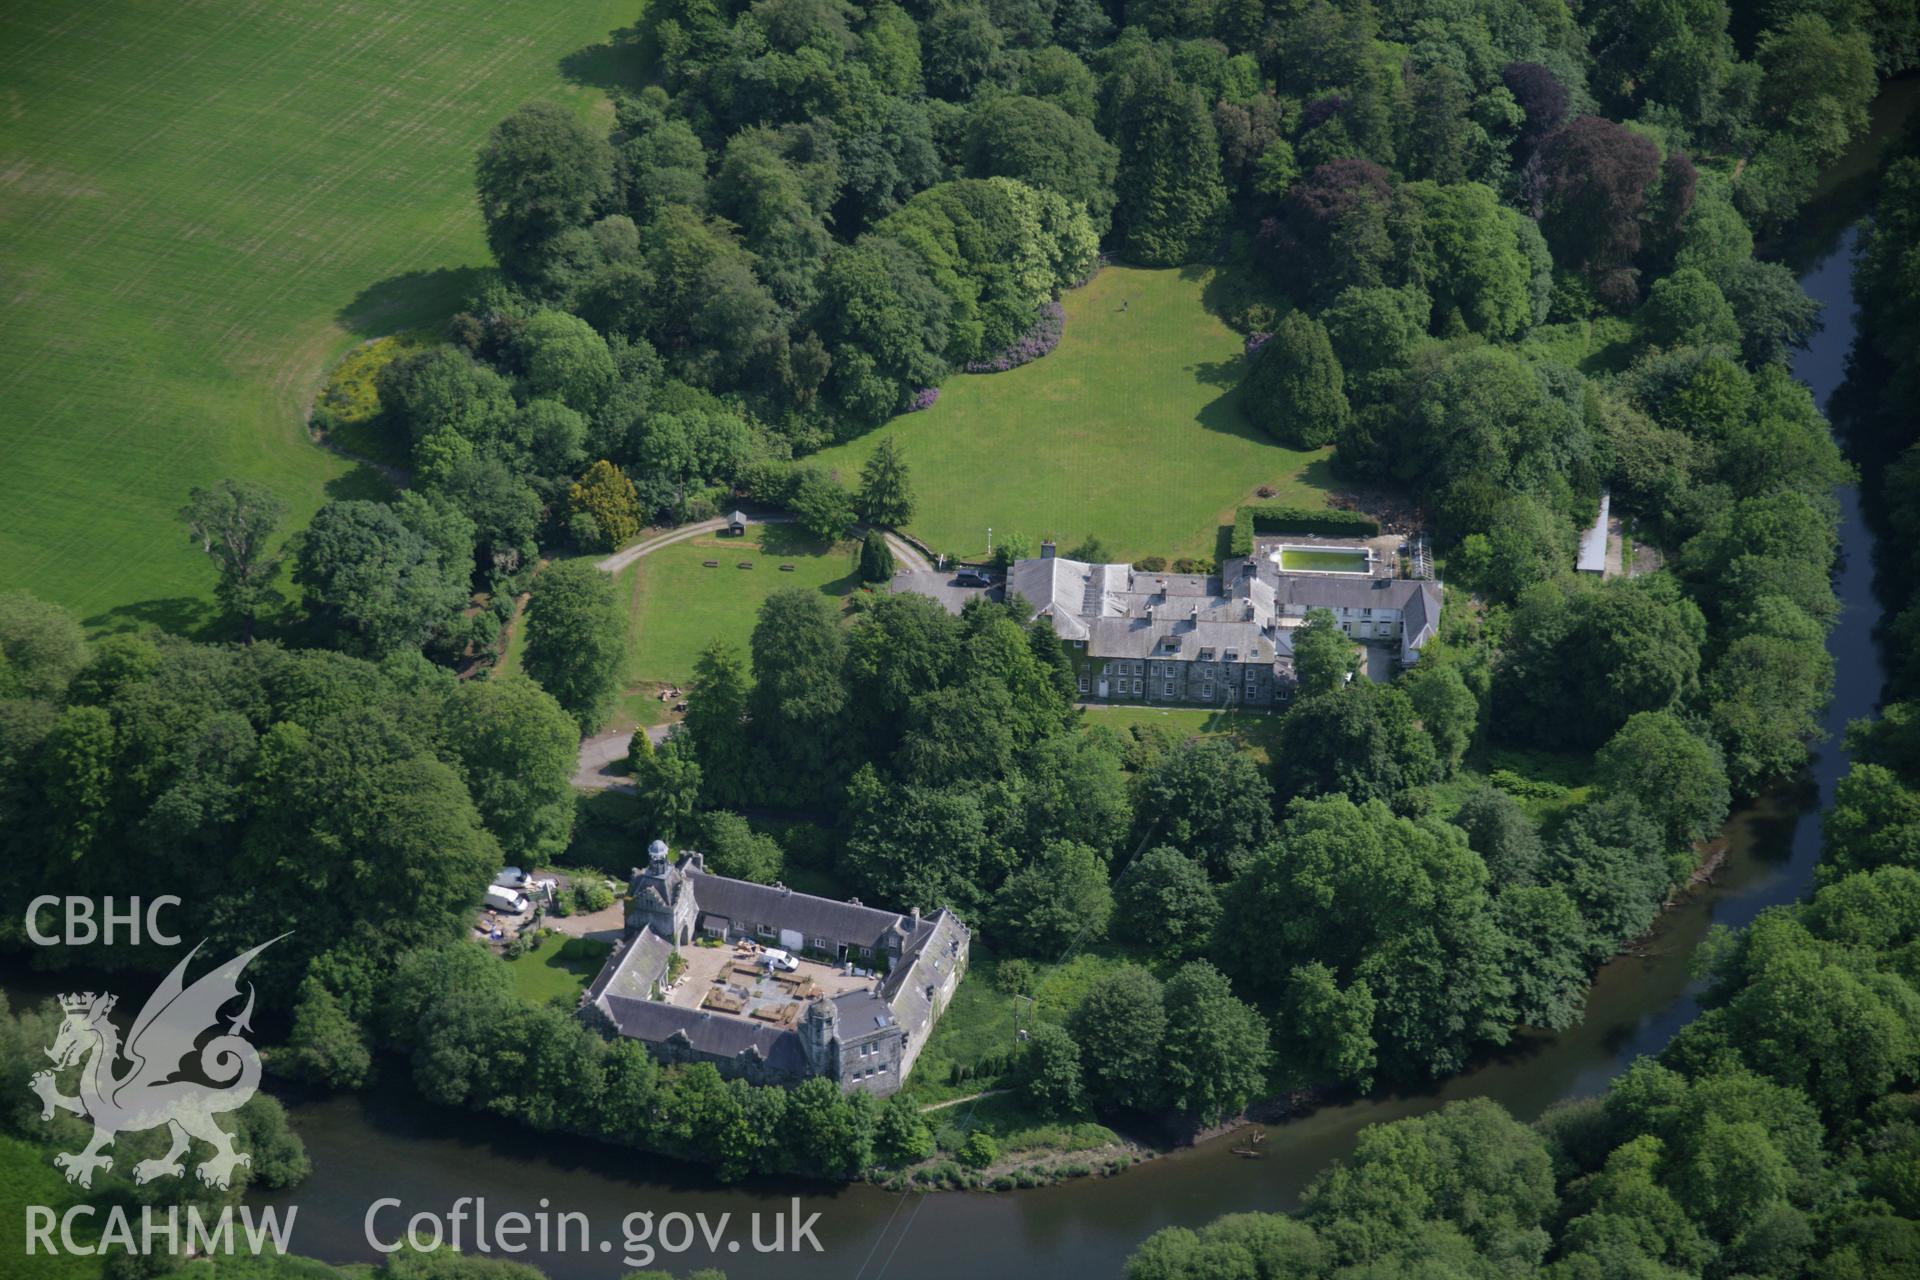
x=1042 y=337
x=979 y=1150
x=1282 y=518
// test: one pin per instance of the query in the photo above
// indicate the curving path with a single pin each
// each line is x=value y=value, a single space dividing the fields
x=600 y=753
x=905 y=554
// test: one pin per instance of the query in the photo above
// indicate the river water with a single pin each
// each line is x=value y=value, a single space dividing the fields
x=388 y=1143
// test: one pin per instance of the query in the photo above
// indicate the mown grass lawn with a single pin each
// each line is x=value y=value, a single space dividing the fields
x=202 y=206
x=983 y=1021
x=677 y=606
x=1131 y=431
x=1254 y=731
x=559 y=966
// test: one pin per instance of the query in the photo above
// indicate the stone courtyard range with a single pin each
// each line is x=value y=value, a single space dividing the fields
x=862 y=993
x=1203 y=639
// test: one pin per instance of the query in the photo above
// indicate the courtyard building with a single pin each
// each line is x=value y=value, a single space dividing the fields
x=1212 y=640
x=864 y=991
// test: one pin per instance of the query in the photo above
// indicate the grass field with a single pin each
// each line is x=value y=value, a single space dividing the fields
x=677 y=606
x=1130 y=430
x=202 y=205
x=560 y=967
x=1256 y=732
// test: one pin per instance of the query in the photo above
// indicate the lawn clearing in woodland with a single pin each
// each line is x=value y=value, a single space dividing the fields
x=557 y=967
x=1131 y=431
x=202 y=206
x=677 y=606
x=1254 y=731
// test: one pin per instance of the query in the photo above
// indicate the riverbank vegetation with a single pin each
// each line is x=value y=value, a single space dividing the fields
x=1499 y=256
x=1778 y=1133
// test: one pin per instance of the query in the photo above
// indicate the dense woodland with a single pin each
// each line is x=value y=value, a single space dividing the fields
x=1530 y=231
x=816 y=212
x=1779 y=1133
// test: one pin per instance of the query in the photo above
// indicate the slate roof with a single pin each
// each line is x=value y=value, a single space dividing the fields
x=1139 y=638
x=862 y=1014
x=1419 y=620
x=905 y=988
x=1330 y=591
x=744 y=903
x=635 y=965
x=1118 y=612
x=1070 y=591
x=716 y=1035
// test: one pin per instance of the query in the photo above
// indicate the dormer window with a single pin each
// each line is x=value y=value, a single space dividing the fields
x=1233 y=655
x=1206 y=655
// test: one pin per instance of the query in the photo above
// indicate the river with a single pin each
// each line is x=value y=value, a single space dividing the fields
x=388 y=1143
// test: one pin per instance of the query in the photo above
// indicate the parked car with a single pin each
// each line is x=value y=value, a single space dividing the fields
x=781 y=960
x=500 y=899
x=510 y=878
x=973 y=578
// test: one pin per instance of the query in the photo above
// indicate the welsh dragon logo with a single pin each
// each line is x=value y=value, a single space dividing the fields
x=147 y=1093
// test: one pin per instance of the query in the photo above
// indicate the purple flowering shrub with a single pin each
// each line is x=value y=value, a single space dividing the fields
x=1041 y=338
x=923 y=399
x=1255 y=341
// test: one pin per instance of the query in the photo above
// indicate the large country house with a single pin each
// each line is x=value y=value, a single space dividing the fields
x=864 y=992
x=1200 y=639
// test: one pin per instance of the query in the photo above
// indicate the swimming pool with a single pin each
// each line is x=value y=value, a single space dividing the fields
x=1324 y=559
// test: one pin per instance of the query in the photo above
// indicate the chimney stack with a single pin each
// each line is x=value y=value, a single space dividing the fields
x=1046 y=549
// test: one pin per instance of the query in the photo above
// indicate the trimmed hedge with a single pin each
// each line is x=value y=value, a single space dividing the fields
x=1276 y=518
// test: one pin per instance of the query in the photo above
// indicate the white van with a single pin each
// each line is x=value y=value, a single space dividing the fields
x=778 y=959
x=506 y=900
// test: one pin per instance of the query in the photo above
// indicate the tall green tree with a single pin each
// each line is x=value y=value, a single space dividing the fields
x=541 y=172
x=1398 y=906
x=1675 y=774
x=1363 y=740
x=1049 y=1072
x=1120 y=1025
x=517 y=750
x=1059 y=899
x=576 y=637
x=886 y=493
x=1166 y=902
x=1324 y=657
x=374 y=579
x=876 y=559
x=232 y=523
x=1216 y=1051
x=1295 y=390
x=1208 y=798
x=798 y=703
x=822 y=505
x=42 y=647
x=1169 y=192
